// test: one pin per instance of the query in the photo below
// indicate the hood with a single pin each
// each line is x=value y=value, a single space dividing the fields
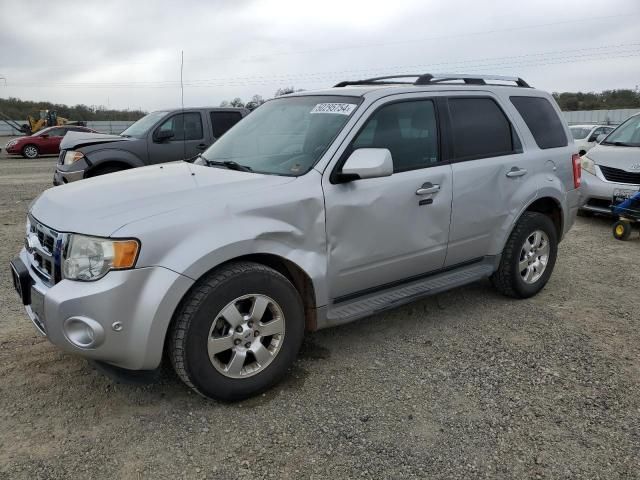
x=101 y=205
x=624 y=158
x=81 y=139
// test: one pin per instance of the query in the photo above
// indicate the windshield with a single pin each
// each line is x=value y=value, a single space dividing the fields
x=140 y=128
x=44 y=131
x=285 y=136
x=626 y=135
x=580 y=132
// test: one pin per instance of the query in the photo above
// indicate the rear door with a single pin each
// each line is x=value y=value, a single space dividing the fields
x=383 y=230
x=188 y=138
x=489 y=168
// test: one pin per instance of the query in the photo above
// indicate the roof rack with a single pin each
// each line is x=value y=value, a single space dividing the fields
x=436 y=78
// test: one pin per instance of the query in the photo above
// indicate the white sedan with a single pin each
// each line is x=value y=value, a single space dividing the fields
x=585 y=136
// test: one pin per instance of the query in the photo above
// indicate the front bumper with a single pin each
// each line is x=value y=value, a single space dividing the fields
x=60 y=177
x=597 y=193
x=129 y=311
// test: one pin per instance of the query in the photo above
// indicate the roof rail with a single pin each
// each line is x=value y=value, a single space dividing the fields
x=435 y=78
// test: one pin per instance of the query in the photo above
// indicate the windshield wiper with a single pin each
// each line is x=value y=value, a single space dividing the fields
x=619 y=144
x=230 y=164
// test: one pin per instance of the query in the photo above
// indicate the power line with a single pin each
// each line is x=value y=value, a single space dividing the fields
x=544 y=58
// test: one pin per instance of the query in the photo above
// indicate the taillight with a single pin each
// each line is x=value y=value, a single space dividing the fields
x=577 y=170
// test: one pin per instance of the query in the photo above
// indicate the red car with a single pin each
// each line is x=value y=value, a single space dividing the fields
x=44 y=142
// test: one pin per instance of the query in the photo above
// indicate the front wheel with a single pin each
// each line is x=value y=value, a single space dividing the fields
x=528 y=257
x=237 y=332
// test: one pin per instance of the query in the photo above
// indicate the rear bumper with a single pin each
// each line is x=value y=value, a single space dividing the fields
x=573 y=201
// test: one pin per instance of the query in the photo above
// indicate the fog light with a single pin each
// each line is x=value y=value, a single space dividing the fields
x=83 y=332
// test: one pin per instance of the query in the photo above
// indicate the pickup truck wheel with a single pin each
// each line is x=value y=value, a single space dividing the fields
x=30 y=151
x=237 y=332
x=528 y=257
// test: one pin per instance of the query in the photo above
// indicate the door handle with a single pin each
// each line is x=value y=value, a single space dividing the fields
x=516 y=172
x=202 y=146
x=428 y=188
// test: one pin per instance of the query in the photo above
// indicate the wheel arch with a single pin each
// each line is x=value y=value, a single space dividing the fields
x=96 y=167
x=550 y=207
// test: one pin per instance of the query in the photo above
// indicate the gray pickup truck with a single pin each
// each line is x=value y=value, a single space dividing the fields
x=316 y=210
x=158 y=137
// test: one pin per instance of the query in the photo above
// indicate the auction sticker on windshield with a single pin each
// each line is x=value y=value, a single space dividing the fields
x=337 y=108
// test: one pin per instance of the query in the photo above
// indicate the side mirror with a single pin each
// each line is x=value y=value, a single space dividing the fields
x=367 y=163
x=46 y=135
x=601 y=137
x=163 y=135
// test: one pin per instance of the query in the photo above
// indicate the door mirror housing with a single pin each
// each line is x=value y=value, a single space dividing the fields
x=163 y=135
x=601 y=137
x=44 y=135
x=366 y=163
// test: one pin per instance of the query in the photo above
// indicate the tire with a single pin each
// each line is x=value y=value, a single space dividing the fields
x=621 y=230
x=203 y=318
x=104 y=170
x=509 y=279
x=30 y=151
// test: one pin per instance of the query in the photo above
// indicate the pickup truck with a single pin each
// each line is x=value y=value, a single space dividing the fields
x=158 y=137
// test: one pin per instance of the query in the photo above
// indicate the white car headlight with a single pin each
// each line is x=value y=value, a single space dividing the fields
x=90 y=258
x=587 y=164
x=72 y=157
x=11 y=143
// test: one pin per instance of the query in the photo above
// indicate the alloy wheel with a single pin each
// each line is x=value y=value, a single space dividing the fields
x=534 y=257
x=246 y=336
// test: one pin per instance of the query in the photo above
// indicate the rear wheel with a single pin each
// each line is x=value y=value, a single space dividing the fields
x=237 y=332
x=30 y=151
x=528 y=257
x=621 y=230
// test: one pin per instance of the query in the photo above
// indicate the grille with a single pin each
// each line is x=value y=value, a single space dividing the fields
x=43 y=252
x=619 y=176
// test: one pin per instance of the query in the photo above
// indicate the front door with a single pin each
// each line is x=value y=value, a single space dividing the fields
x=187 y=140
x=384 y=230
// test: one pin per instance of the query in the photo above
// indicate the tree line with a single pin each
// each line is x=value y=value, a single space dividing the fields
x=605 y=100
x=17 y=109
x=256 y=100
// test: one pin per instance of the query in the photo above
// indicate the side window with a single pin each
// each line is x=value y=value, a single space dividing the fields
x=542 y=120
x=223 y=121
x=481 y=129
x=408 y=129
x=185 y=126
x=57 y=132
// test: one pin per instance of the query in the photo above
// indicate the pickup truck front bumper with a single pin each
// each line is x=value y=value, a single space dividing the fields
x=121 y=319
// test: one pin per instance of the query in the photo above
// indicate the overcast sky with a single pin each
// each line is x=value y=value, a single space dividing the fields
x=127 y=53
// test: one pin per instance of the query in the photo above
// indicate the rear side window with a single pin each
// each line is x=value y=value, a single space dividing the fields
x=542 y=120
x=223 y=121
x=481 y=129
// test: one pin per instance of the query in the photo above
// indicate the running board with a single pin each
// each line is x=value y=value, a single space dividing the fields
x=364 y=306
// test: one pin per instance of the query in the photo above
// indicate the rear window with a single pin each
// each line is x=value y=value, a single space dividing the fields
x=223 y=121
x=481 y=129
x=542 y=120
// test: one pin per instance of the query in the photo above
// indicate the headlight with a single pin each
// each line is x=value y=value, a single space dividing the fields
x=11 y=143
x=90 y=258
x=72 y=157
x=588 y=164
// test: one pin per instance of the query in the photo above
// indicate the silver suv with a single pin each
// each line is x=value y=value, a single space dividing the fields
x=317 y=209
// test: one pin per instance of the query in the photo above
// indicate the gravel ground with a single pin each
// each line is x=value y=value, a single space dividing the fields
x=466 y=384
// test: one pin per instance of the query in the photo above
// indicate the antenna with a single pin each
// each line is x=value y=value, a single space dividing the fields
x=184 y=129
